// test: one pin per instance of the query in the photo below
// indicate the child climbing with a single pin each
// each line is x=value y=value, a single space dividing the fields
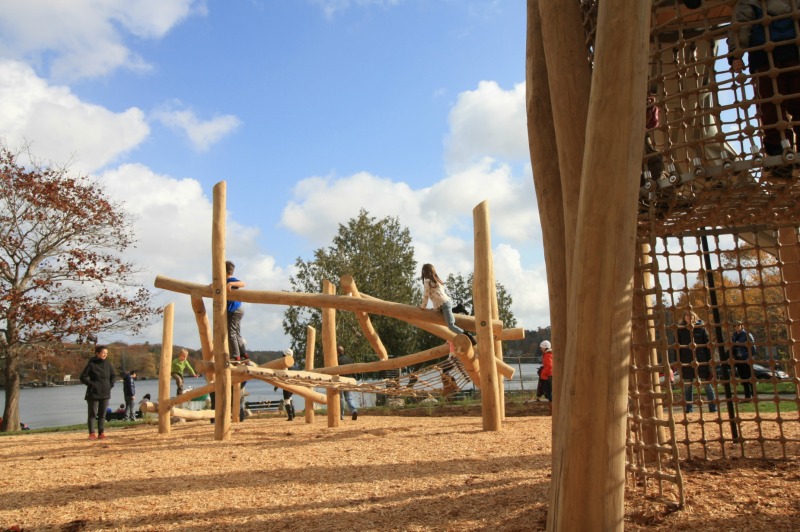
x=434 y=290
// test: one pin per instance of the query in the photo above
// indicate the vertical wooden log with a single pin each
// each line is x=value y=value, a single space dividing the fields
x=591 y=464
x=222 y=378
x=164 y=372
x=236 y=399
x=204 y=330
x=570 y=79
x=547 y=181
x=789 y=254
x=311 y=339
x=643 y=335
x=482 y=298
x=329 y=353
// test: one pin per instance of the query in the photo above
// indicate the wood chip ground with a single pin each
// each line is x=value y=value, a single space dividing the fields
x=376 y=473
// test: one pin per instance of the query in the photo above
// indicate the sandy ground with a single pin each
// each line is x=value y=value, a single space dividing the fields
x=377 y=473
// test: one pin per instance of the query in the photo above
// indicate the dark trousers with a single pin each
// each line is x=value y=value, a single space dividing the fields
x=97 y=411
x=547 y=387
x=744 y=371
x=130 y=415
x=787 y=84
x=235 y=347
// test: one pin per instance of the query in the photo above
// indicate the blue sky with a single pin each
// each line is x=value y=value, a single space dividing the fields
x=309 y=109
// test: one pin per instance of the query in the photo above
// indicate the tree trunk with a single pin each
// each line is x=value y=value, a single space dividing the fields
x=11 y=373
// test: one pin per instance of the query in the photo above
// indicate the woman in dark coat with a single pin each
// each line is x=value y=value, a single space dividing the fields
x=98 y=376
x=691 y=330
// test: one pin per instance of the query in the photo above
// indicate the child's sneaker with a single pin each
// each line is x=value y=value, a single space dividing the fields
x=102 y=436
x=92 y=436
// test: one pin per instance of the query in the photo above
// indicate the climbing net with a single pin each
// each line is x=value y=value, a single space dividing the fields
x=441 y=379
x=718 y=215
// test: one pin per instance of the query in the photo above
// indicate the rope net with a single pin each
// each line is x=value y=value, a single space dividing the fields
x=718 y=213
x=443 y=379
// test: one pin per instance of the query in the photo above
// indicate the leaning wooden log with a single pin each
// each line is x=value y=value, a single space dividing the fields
x=184 y=413
x=191 y=394
x=301 y=299
x=204 y=330
x=517 y=333
x=348 y=286
x=465 y=353
x=284 y=362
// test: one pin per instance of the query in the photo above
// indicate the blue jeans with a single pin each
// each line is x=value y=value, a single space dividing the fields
x=688 y=395
x=447 y=312
x=347 y=397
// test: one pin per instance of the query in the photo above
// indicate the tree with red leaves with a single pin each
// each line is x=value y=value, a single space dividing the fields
x=61 y=275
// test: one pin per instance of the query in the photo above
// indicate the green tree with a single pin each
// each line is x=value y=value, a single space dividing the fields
x=379 y=257
x=460 y=291
x=60 y=271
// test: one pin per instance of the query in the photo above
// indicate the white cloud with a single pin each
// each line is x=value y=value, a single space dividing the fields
x=59 y=125
x=332 y=7
x=202 y=134
x=85 y=38
x=487 y=122
x=172 y=222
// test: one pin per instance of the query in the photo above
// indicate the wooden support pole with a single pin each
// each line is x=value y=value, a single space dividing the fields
x=329 y=353
x=789 y=255
x=348 y=286
x=164 y=370
x=311 y=339
x=204 y=330
x=547 y=182
x=222 y=379
x=366 y=304
x=590 y=466
x=643 y=336
x=482 y=298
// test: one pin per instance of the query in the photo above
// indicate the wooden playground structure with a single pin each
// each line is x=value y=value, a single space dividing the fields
x=485 y=367
x=706 y=219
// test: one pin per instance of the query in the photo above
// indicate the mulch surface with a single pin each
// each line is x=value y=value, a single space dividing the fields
x=376 y=473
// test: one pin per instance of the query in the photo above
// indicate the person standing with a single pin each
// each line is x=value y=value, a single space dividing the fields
x=434 y=291
x=694 y=352
x=129 y=391
x=98 y=376
x=179 y=365
x=347 y=395
x=546 y=377
x=743 y=355
x=235 y=314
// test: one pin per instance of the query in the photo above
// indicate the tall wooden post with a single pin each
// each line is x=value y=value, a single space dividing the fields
x=547 y=181
x=329 y=353
x=311 y=339
x=164 y=371
x=222 y=370
x=591 y=465
x=789 y=254
x=644 y=335
x=483 y=286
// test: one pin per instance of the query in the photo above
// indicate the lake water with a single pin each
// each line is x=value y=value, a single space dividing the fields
x=64 y=405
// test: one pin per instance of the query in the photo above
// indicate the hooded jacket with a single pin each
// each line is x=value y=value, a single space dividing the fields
x=98 y=376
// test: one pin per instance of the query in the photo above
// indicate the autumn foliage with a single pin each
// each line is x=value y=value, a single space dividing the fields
x=61 y=271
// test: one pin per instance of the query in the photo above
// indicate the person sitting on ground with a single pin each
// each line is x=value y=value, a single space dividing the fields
x=179 y=365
